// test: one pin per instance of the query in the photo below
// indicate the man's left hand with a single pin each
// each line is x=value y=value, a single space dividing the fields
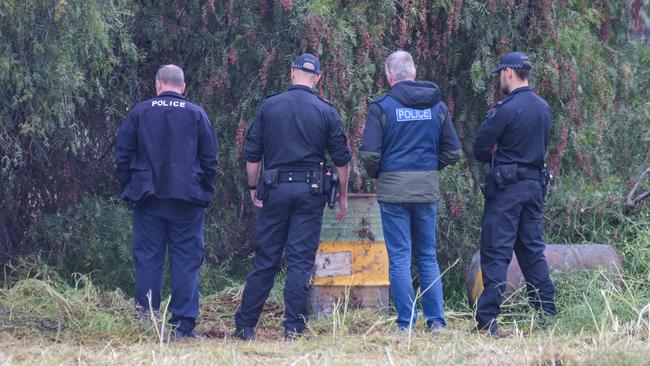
x=257 y=203
x=343 y=206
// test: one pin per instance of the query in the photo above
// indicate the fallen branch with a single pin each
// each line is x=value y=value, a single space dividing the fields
x=631 y=200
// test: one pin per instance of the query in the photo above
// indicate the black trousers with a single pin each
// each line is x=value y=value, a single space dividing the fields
x=174 y=226
x=289 y=222
x=513 y=221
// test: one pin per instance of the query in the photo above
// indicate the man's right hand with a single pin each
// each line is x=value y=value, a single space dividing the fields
x=257 y=203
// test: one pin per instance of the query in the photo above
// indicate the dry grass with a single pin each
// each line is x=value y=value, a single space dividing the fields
x=41 y=323
x=379 y=347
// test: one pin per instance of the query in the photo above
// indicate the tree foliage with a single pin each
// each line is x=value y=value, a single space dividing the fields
x=71 y=69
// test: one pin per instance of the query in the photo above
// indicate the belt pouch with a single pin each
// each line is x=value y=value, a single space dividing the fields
x=505 y=174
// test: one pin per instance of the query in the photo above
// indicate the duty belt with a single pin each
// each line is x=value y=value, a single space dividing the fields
x=295 y=177
x=524 y=173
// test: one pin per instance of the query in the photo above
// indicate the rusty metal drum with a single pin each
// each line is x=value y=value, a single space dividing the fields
x=351 y=267
x=561 y=258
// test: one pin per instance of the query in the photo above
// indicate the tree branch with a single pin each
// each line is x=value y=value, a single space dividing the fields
x=631 y=200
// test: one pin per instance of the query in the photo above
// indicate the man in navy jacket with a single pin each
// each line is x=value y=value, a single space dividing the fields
x=513 y=141
x=408 y=139
x=166 y=162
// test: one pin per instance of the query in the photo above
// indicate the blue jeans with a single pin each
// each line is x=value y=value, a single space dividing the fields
x=412 y=227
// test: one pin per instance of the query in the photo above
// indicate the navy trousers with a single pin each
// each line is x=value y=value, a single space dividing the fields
x=173 y=226
x=513 y=220
x=289 y=222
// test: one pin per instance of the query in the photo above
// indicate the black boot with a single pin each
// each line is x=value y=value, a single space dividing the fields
x=179 y=335
x=492 y=330
x=244 y=333
x=294 y=335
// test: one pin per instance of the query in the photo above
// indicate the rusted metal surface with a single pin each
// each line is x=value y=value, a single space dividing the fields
x=325 y=299
x=351 y=263
x=362 y=222
x=561 y=259
x=337 y=264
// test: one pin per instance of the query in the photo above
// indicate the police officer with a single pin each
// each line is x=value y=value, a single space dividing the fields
x=513 y=140
x=166 y=162
x=288 y=139
x=407 y=140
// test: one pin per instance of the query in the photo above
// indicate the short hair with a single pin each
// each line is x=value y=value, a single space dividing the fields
x=400 y=64
x=524 y=74
x=171 y=75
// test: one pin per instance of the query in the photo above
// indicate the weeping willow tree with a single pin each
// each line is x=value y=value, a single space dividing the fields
x=71 y=69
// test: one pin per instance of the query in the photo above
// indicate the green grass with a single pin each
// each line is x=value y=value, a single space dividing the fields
x=602 y=320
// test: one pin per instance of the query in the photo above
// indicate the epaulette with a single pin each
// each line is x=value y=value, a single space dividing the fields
x=325 y=100
x=503 y=101
x=271 y=95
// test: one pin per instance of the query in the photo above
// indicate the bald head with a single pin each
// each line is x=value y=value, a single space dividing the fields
x=299 y=77
x=399 y=66
x=170 y=78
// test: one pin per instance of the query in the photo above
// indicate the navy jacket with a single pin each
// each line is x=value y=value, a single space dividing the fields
x=520 y=125
x=166 y=148
x=407 y=139
x=292 y=130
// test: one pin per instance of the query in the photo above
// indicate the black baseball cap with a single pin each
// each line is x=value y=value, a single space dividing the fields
x=513 y=60
x=307 y=62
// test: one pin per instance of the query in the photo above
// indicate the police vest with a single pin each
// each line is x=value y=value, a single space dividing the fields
x=410 y=137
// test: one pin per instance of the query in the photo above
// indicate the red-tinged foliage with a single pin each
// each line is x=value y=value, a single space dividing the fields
x=263 y=75
x=455 y=203
x=637 y=22
x=239 y=136
x=58 y=137
x=286 y=5
x=555 y=161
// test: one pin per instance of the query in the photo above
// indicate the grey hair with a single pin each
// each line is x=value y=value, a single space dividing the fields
x=400 y=65
x=171 y=75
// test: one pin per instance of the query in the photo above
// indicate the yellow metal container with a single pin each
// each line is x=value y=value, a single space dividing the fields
x=351 y=265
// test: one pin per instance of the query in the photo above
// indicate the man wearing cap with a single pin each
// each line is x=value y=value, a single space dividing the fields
x=408 y=139
x=513 y=141
x=166 y=163
x=286 y=146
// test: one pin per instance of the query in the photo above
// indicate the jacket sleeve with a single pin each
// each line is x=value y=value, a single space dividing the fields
x=449 y=149
x=253 y=145
x=496 y=121
x=371 y=143
x=208 y=151
x=126 y=147
x=337 y=143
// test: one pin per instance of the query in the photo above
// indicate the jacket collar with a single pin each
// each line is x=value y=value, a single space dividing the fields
x=302 y=87
x=172 y=94
x=522 y=89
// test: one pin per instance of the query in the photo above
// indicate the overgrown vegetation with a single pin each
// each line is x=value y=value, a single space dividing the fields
x=604 y=319
x=71 y=69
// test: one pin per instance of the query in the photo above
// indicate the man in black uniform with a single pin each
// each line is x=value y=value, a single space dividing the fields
x=289 y=136
x=166 y=162
x=513 y=140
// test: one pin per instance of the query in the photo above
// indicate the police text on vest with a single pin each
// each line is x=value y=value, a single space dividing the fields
x=167 y=103
x=410 y=114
